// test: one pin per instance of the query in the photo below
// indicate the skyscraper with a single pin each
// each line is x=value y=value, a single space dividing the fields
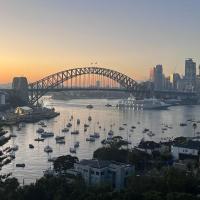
x=175 y=79
x=158 y=77
x=190 y=74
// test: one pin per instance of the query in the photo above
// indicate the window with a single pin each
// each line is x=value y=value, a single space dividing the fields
x=102 y=173
x=92 y=172
x=97 y=173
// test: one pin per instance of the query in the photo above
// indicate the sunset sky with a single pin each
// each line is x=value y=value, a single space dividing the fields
x=40 y=37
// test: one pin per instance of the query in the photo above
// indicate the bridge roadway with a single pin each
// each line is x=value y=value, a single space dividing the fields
x=156 y=92
x=52 y=82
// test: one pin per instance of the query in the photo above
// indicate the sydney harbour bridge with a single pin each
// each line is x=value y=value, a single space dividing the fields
x=87 y=78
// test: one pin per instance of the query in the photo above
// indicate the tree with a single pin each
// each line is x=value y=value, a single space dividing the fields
x=63 y=163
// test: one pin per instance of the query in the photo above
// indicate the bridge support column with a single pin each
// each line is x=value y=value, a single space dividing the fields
x=20 y=87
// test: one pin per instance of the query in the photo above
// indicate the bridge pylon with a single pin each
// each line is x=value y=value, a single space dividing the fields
x=20 y=88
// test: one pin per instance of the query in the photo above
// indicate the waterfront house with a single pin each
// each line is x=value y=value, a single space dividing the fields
x=149 y=146
x=187 y=150
x=97 y=172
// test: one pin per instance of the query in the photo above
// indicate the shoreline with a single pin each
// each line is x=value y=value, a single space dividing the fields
x=37 y=115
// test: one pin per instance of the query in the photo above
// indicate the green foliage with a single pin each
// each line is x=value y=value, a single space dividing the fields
x=63 y=163
x=173 y=185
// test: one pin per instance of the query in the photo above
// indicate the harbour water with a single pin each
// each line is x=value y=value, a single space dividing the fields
x=36 y=160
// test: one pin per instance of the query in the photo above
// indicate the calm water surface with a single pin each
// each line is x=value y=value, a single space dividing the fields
x=36 y=159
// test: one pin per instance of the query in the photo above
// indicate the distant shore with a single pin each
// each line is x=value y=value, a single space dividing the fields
x=38 y=114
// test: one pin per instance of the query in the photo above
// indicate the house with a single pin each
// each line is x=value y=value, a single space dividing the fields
x=187 y=150
x=96 y=172
x=149 y=146
x=24 y=110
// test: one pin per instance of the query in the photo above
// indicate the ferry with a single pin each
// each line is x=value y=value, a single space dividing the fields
x=144 y=104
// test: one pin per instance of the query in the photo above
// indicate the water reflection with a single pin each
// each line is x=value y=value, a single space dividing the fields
x=36 y=159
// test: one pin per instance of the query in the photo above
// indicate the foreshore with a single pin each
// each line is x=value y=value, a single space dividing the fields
x=38 y=114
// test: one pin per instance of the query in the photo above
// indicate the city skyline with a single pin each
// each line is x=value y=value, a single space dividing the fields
x=40 y=38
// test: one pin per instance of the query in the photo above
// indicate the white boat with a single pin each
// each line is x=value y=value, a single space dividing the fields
x=78 y=121
x=60 y=141
x=12 y=154
x=89 y=106
x=64 y=130
x=144 y=104
x=150 y=134
x=53 y=159
x=59 y=137
x=48 y=149
x=72 y=150
x=76 y=144
x=110 y=133
x=49 y=172
x=44 y=125
x=13 y=135
x=69 y=125
x=47 y=134
x=40 y=130
x=95 y=135
x=22 y=124
x=75 y=132
x=41 y=123
x=90 y=139
x=15 y=147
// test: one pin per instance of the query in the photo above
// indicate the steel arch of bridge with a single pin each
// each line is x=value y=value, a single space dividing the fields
x=39 y=88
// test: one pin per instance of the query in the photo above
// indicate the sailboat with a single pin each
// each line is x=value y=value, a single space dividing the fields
x=75 y=132
x=47 y=148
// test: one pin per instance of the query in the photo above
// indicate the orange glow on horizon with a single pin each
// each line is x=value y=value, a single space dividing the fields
x=34 y=73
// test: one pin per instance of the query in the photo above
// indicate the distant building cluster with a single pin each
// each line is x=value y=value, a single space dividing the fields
x=190 y=81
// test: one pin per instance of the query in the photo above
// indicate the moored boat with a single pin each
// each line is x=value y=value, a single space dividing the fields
x=48 y=149
x=76 y=144
x=20 y=165
x=65 y=130
x=39 y=139
x=72 y=150
x=47 y=134
x=90 y=139
x=31 y=146
x=143 y=104
x=75 y=132
x=89 y=106
x=40 y=130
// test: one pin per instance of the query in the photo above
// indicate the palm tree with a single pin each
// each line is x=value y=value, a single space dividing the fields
x=194 y=127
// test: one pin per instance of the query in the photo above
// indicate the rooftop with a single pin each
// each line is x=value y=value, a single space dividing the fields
x=190 y=144
x=148 y=145
x=101 y=163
